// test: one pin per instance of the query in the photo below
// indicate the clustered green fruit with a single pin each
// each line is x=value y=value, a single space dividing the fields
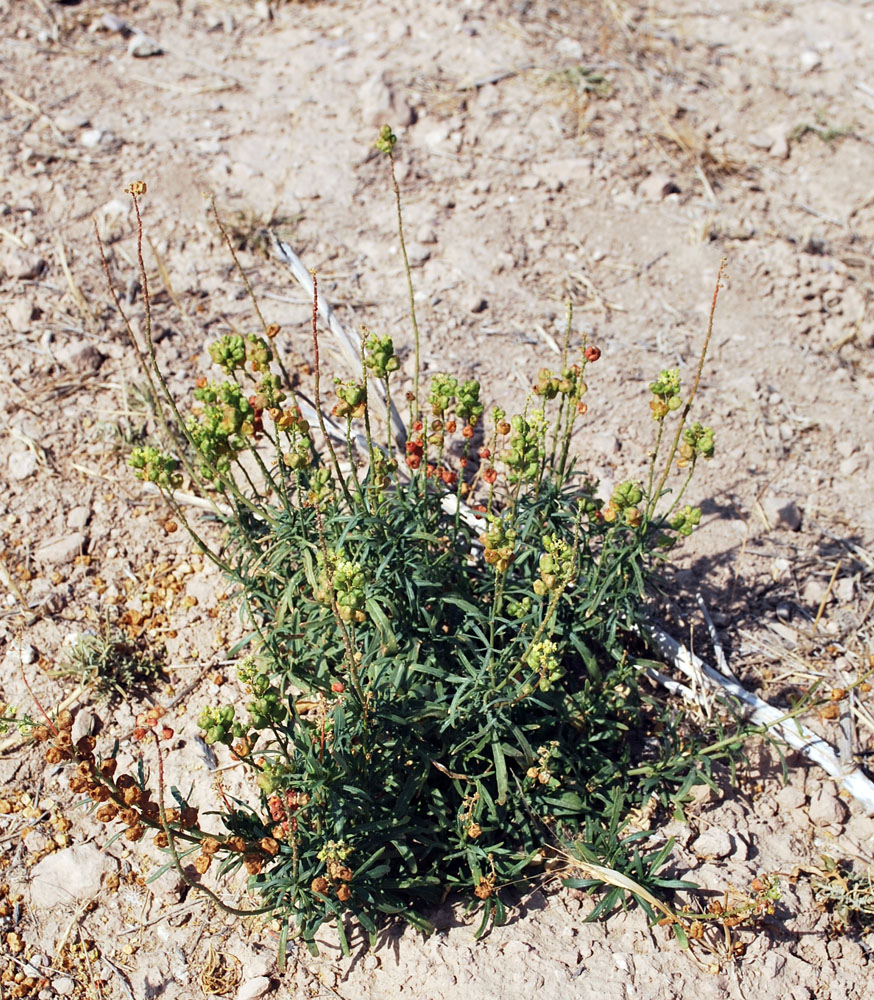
x=219 y=430
x=443 y=391
x=386 y=141
x=342 y=581
x=698 y=441
x=626 y=496
x=349 y=582
x=498 y=544
x=351 y=399
x=233 y=352
x=666 y=390
x=379 y=356
x=268 y=393
x=549 y=385
x=321 y=486
x=469 y=408
x=217 y=724
x=542 y=660
x=153 y=466
x=685 y=521
x=526 y=446
x=557 y=565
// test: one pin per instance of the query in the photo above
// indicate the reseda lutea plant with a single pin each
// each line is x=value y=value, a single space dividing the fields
x=441 y=675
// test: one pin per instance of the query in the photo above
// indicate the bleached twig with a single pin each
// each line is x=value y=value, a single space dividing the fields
x=851 y=778
x=346 y=344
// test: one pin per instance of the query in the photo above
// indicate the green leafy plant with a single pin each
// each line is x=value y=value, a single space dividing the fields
x=109 y=661
x=442 y=670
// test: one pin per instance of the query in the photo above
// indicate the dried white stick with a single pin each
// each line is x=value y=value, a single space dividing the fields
x=850 y=778
x=347 y=345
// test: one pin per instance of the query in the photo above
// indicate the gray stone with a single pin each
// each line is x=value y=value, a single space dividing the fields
x=782 y=513
x=91 y=137
x=36 y=842
x=251 y=989
x=657 y=186
x=814 y=592
x=85 y=724
x=64 y=986
x=21 y=653
x=790 y=798
x=22 y=265
x=21 y=464
x=70 y=121
x=63 y=550
x=142 y=47
x=380 y=105
x=68 y=877
x=604 y=443
x=850 y=466
x=78 y=517
x=826 y=809
x=569 y=48
x=20 y=313
x=712 y=843
x=418 y=253
x=80 y=357
x=809 y=60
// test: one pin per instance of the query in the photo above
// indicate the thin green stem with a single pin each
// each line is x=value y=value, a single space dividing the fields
x=409 y=274
x=317 y=381
x=685 y=413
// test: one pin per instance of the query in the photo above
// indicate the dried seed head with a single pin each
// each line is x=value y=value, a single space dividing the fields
x=484 y=889
x=209 y=846
x=320 y=885
x=132 y=796
x=107 y=767
x=202 y=863
x=344 y=893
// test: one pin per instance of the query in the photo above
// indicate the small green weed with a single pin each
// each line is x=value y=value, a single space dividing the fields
x=581 y=80
x=110 y=662
x=442 y=672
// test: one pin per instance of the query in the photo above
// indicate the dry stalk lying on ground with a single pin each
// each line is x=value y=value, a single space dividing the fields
x=852 y=779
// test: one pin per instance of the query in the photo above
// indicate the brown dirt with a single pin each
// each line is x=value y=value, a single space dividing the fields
x=741 y=130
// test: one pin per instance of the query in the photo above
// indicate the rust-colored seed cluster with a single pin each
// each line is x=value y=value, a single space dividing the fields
x=339 y=875
x=121 y=798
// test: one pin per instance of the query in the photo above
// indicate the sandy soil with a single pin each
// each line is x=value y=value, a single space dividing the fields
x=608 y=152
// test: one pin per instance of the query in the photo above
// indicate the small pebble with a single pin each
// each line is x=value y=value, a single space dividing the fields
x=712 y=843
x=826 y=809
x=142 y=47
x=63 y=986
x=251 y=989
x=782 y=513
x=60 y=551
x=479 y=305
x=91 y=137
x=21 y=464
